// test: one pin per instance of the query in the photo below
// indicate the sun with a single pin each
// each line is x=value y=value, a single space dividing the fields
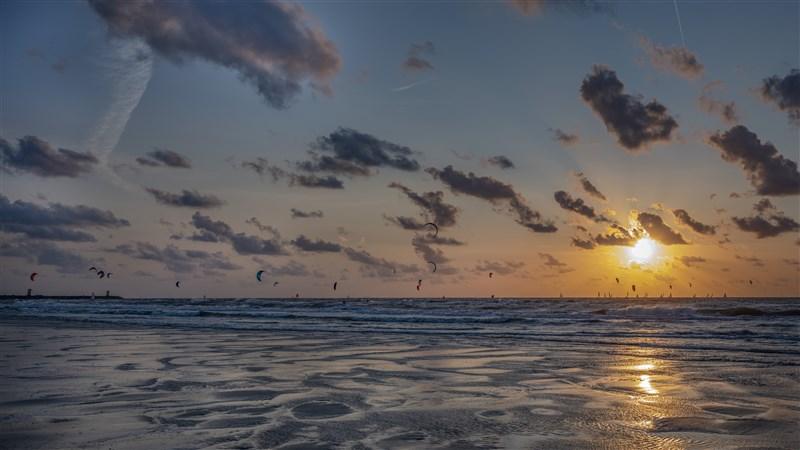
x=643 y=251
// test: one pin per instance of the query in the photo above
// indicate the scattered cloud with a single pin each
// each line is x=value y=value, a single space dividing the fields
x=589 y=187
x=750 y=260
x=418 y=57
x=270 y=44
x=346 y=145
x=290 y=269
x=677 y=60
x=316 y=246
x=586 y=244
x=45 y=254
x=768 y=222
x=683 y=217
x=186 y=199
x=55 y=222
x=298 y=214
x=564 y=138
x=168 y=158
x=768 y=171
x=691 y=261
x=210 y=230
x=784 y=92
x=434 y=209
x=499 y=267
x=492 y=190
x=726 y=111
x=552 y=262
x=501 y=162
x=176 y=259
x=38 y=157
x=658 y=230
x=618 y=235
x=577 y=206
x=374 y=267
x=637 y=125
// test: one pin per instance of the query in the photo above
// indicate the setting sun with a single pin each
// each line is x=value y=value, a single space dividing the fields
x=643 y=251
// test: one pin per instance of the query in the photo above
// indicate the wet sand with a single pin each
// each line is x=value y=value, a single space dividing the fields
x=69 y=385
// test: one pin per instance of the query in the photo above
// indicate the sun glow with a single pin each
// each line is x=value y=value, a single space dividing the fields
x=643 y=251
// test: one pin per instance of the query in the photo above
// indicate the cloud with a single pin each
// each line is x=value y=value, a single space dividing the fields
x=316 y=246
x=768 y=222
x=564 y=138
x=552 y=262
x=186 y=199
x=261 y=227
x=298 y=214
x=270 y=44
x=691 y=261
x=580 y=7
x=637 y=125
x=38 y=157
x=176 y=259
x=725 y=110
x=501 y=162
x=166 y=157
x=418 y=56
x=433 y=206
x=261 y=166
x=375 y=267
x=684 y=218
x=577 y=206
x=45 y=254
x=658 y=230
x=768 y=171
x=751 y=260
x=365 y=150
x=494 y=191
x=784 y=92
x=586 y=244
x=618 y=235
x=677 y=60
x=330 y=164
x=218 y=231
x=313 y=181
x=290 y=269
x=590 y=188
x=499 y=267
x=55 y=222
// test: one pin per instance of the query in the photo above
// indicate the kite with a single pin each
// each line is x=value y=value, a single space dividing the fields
x=633 y=287
x=274 y=284
x=93 y=268
x=435 y=228
x=101 y=274
x=434 y=265
x=617 y=280
x=33 y=275
x=258 y=275
x=490 y=274
x=177 y=284
x=334 y=285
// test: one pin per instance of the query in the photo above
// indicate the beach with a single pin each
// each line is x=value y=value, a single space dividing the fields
x=456 y=374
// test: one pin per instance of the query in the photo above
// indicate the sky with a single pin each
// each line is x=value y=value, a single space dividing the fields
x=560 y=148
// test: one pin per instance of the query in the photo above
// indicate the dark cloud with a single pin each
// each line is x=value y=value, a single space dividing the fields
x=590 y=188
x=45 y=254
x=586 y=244
x=691 y=261
x=501 y=161
x=751 y=260
x=564 y=138
x=492 y=190
x=262 y=167
x=784 y=92
x=418 y=57
x=725 y=110
x=218 y=231
x=290 y=269
x=659 y=231
x=298 y=214
x=261 y=227
x=580 y=7
x=325 y=163
x=427 y=252
x=375 y=267
x=316 y=246
x=270 y=44
x=176 y=259
x=552 y=262
x=577 y=206
x=677 y=60
x=768 y=171
x=618 y=235
x=38 y=157
x=313 y=181
x=406 y=223
x=434 y=208
x=55 y=222
x=365 y=150
x=166 y=157
x=768 y=222
x=637 y=125
x=186 y=199
x=684 y=218
x=499 y=267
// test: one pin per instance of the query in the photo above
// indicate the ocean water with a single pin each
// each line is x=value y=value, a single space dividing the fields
x=749 y=325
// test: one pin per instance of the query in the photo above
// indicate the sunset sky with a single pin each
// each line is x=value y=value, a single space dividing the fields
x=201 y=142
